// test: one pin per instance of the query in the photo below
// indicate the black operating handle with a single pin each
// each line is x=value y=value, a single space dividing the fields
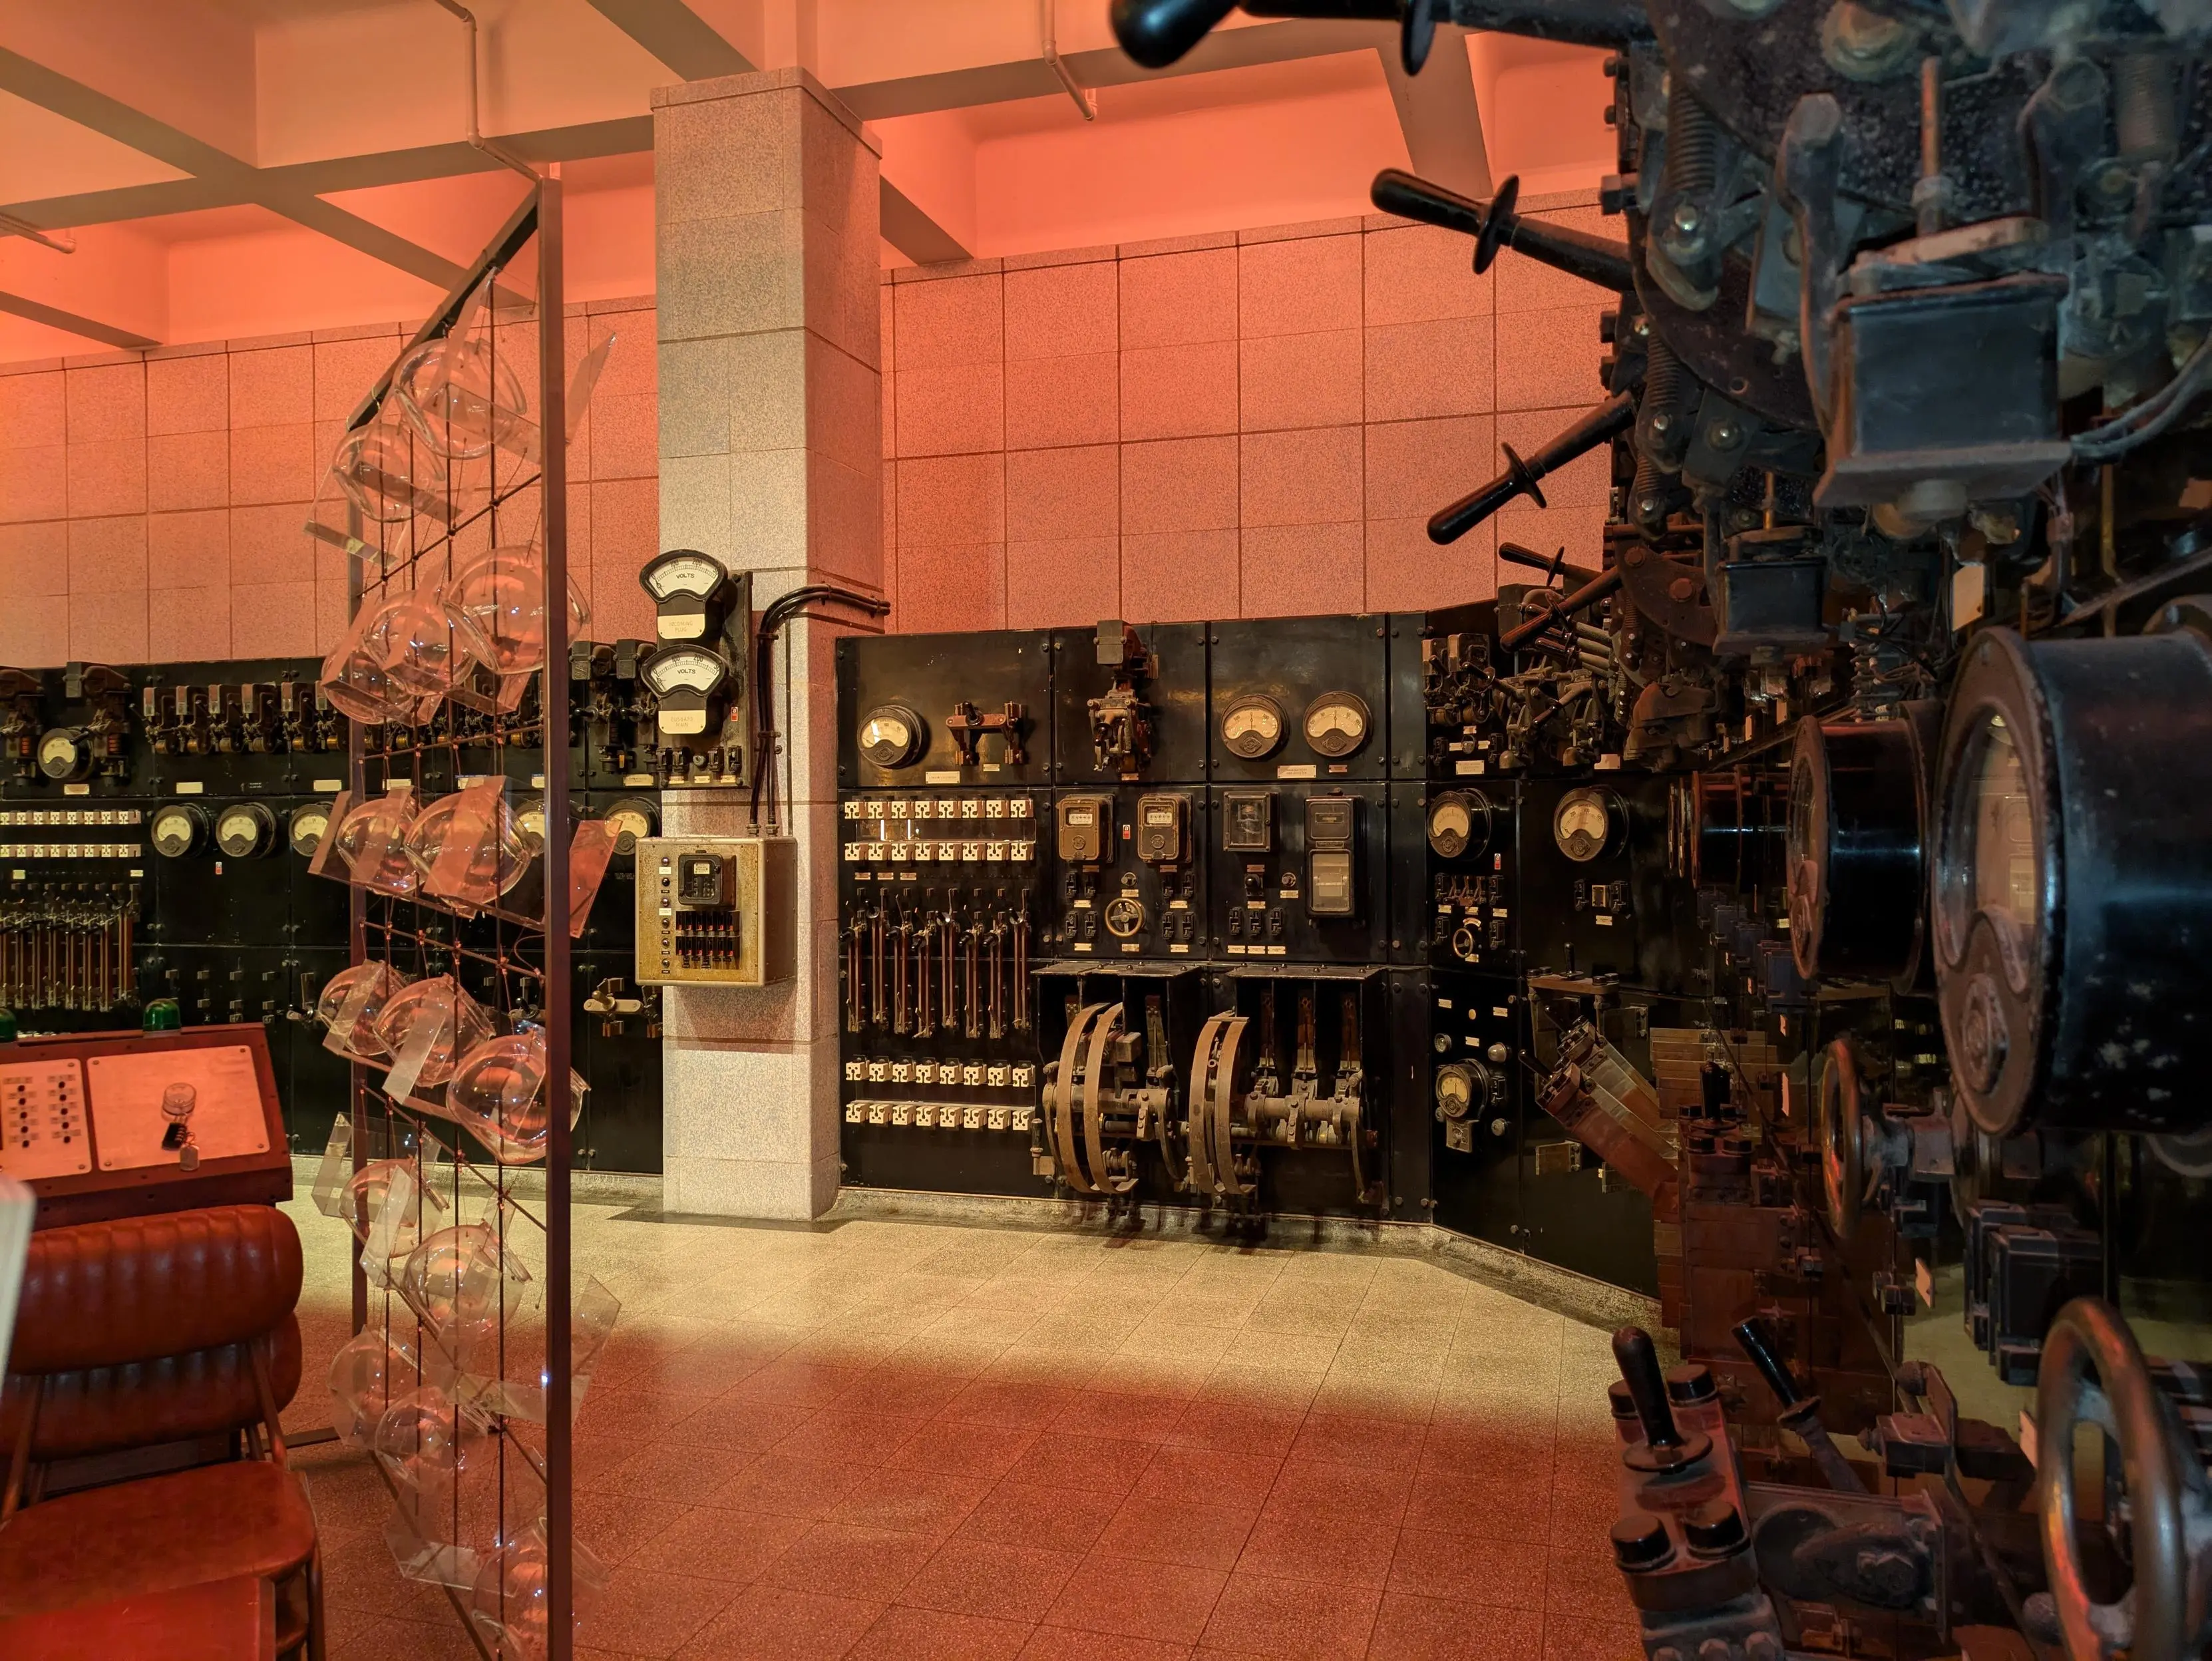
x=1601 y=426
x=1800 y=1412
x=1593 y=259
x=1758 y=1346
x=1647 y=1387
x=1156 y=32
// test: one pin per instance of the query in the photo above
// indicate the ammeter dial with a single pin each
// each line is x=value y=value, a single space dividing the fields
x=891 y=735
x=1586 y=824
x=683 y=572
x=1252 y=728
x=1336 y=725
x=176 y=829
x=245 y=831
x=306 y=828
x=64 y=754
x=634 y=818
x=684 y=669
x=1459 y=824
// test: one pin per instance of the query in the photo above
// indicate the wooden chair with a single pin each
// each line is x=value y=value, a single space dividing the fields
x=156 y=1334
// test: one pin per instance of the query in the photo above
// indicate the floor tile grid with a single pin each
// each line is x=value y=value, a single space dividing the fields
x=989 y=1441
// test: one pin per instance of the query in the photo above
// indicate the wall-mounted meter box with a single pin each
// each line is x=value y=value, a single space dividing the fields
x=716 y=910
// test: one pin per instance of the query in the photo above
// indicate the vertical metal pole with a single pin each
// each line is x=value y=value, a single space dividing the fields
x=553 y=701
x=356 y=921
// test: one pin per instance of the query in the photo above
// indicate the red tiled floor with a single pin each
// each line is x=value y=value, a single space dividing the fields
x=868 y=1439
x=734 y=1546
x=1293 y=1619
x=768 y=1623
x=753 y=1427
x=906 y=1500
x=1069 y=1643
x=996 y=1402
x=915 y=1634
x=977 y=1450
x=1057 y=1519
x=787 y=1383
x=1495 y=1505
x=644 y=1612
x=1098 y=1463
x=1138 y=1599
x=658 y=1469
x=1005 y=1583
x=1236 y=1427
x=1581 y=1581
x=1566 y=1638
x=1510 y=1574
x=1133 y=1418
x=1230 y=1478
x=1411 y=1629
x=1178 y=1529
x=1322 y=1488
x=838 y=1560
x=790 y=1487
x=1352 y=1555
x=1377 y=1443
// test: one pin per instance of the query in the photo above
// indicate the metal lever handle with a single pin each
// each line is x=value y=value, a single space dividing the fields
x=1647 y=1387
x=1613 y=417
x=1595 y=260
x=1554 y=568
x=1753 y=1339
x=1156 y=33
x=1800 y=1412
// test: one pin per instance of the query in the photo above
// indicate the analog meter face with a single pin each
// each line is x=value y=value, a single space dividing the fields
x=244 y=830
x=683 y=573
x=1459 y=824
x=63 y=754
x=1336 y=725
x=1582 y=824
x=1252 y=728
x=530 y=824
x=686 y=669
x=1995 y=868
x=632 y=818
x=176 y=830
x=306 y=829
x=891 y=735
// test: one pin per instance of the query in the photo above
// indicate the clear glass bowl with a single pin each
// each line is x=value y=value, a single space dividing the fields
x=439 y=1014
x=352 y=1001
x=468 y=847
x=462 y=397
x=415 y=645
x=386 y=469
x=372 y=840
x=452 y=1280
x=498 y=1093
x=365 y=1375
x=356 y=677
x=497 y=606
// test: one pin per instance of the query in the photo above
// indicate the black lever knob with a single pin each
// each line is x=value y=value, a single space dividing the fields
x=1632 y=1352
x=1756 y=1342
x=1156 y=33
x=1595 y=260
x=1601 y=426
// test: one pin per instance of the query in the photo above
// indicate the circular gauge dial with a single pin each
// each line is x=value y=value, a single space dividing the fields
x=890 y=736
x=683 y=572
x=530 y=824
x=1336 y=725
x=684 y=669
x=1252 y=728
x=1584 y=823
x=244 y=830
x=176 y=830
x=306 y=829
x=633 y=820
x=1998 y=872
x=1454 y=1091
x=64 y=754
x=1459 y=824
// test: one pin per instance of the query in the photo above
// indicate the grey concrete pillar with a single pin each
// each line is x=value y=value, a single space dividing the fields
x=771 y=399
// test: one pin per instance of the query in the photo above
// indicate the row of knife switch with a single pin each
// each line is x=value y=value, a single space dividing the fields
x=939 y=1115
x=29 y=816
x=71 y=851
x=941 y=853
x=942 y=807
x=989 y=1075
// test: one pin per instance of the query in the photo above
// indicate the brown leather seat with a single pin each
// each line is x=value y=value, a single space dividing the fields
x=142 y=1332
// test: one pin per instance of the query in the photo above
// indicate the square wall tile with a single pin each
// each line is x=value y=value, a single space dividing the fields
x=1062 y=400
x=1301 y=286
x=272 y=619
x=1299 y=380
x=625 y=526
x=35 y=631
x=1179 y=484
x=631 y=368
x=1178 y=299
x=1311 y=477
x=1407 y=572
x=1052 y=495
x=1580 y=531
x=188 y=470
x=107 y=475
x=1179 y=576
x=267 y=545
x=106 y=554
x=1064 y=582
x=33 y=410
x=106 y=403
x=272 y=464
x=345 y=370
x=188 y=394
x=945 y=587
x=191 y=550
x=274 y=387
x=1415 y=467
x=1440 y=368
x=1554 y=360
x=183 y=624
x=625 y=437
x=1298 y=571
x=34 y=562
x=1419 y=274
x=1062 y=311
x=951 y=500
x=108 y=628
x=1179 y=392
x=950 y=320
x=950 y=409
x=33 y=480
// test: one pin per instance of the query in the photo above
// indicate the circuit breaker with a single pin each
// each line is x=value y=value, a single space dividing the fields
x=716 y=910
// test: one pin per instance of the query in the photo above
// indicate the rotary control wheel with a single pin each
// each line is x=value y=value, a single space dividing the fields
x=178 y=829
x=245 y=831
x=64 y=755
x=307 y=826
x=1125 y=916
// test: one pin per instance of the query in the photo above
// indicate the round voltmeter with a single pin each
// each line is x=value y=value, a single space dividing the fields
x=1252 y=728
x=688 y=680
x=690 y=593
x=2071 y=898
x=64 y=755
x=1336 y=725
x=530 y=825
x=304 y=830
x=891 y=735
x=1459 y=824
x=245 y=831
x=1857 y=874
x=634 y=818
x=1587 y=823
x=176 y=829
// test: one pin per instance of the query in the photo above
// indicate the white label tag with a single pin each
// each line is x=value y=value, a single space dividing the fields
x=942 y=775
x=329 y=787
x=1470 y=769
x=1297 y=770
x=192 y=787
x=77 y=789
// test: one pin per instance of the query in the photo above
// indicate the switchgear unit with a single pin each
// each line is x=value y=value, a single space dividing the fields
x=716 y=910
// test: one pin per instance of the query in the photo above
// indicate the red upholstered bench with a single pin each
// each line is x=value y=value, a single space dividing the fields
x=141 y=1333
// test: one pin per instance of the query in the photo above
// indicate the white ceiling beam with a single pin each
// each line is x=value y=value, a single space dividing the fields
x=91 y=328
x=1439 y=117
x=215 y=169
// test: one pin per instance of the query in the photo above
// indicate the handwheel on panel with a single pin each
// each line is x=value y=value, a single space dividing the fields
x=1059 y=1100
x=1089 y=1111
x=2157 y=1620
x=1228 y=1089
x=1838 y=1107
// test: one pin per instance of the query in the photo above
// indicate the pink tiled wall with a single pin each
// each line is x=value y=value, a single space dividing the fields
x=151 y=504
x=1245 y=424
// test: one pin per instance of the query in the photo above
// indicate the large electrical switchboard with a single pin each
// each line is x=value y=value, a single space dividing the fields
x=157 y=825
